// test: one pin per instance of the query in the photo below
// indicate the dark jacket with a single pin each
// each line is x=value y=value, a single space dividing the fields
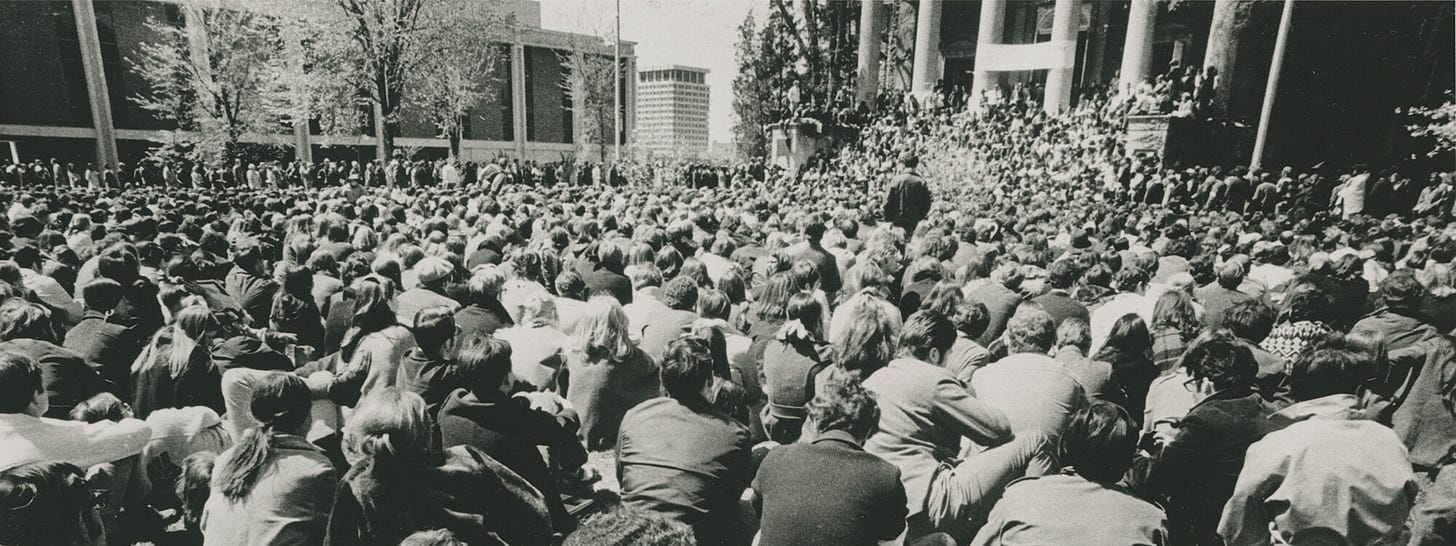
x=1001 y=303
x=462 y=490
x=66 y=377
x=789 y=369
x=1060 y=305
x=829 y=492
x=432 y=379
x=687 y=461
x=1197 y=470
x=604 y=281
x=908 y=200
x=157 y=386
x=662 y=329
x=510 y=431
x=1400 y=330
x=253 y=293
x=603 y=391
x=482 y=320
x=108 y=348
x=1421 y=417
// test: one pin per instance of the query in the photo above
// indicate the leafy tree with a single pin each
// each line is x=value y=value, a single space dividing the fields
x=749 y=114
x=1438 y=123
x=214 y=78
x=588 y=84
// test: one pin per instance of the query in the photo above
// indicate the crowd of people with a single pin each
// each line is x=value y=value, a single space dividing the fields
x=966 y=327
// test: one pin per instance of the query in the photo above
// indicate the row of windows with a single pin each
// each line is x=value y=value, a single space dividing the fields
x=672 y=75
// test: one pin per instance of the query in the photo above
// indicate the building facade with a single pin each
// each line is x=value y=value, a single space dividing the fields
x=66 y=80
x=672 y=110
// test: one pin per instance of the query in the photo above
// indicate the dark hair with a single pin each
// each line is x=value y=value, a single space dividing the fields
x=1308 y=302
x=1099 y=442
x=1062 y=274
x=867 y=342
x=687 y=366
x=433 y=327
x=1251 y=320
x=925 y=331
x=22 y=319
x=804 y=308
x=681 y=293
x=845 y=406
x=569 y=284
x=41 y=504
x=630 y=527
x=280 y=402
x=773 y=298
x=713 y=304
x=1402 y=291
x=194 y=486
x=484 y=365
x=1221 y=359
x=20 y=380
x=1130 y=335
x=101 y=294
x=102 y=407
x=1330 y=368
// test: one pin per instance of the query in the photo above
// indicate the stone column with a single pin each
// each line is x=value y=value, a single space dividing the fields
x=1137 y=50
x=993 y=19
x=1058 y=93
x=518 y=97
x=1229 y=16
x=867 y=79
x=928 y=62
x=96 y=87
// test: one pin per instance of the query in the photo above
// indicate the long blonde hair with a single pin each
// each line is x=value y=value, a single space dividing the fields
x=1439 y=279
x=602 y=332
x=192 y=330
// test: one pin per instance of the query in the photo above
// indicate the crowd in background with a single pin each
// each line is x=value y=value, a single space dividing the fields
x=965 y=327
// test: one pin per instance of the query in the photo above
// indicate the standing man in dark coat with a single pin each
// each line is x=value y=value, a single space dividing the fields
x=909 y=199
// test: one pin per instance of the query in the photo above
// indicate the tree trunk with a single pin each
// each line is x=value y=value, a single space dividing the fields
x=455 y=134
x=383 y=142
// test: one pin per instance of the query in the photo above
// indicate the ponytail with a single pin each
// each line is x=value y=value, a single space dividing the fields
x=240 y=472
x=281 y=404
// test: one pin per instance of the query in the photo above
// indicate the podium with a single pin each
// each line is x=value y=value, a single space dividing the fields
x=1180 y=142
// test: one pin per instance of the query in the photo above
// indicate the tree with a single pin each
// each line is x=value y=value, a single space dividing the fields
x=215 y=78
x=1438 y=123
x=588 y=82
x=749 y=114
x=394 y=49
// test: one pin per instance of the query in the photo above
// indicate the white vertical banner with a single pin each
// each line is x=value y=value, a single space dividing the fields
x=1051 y=55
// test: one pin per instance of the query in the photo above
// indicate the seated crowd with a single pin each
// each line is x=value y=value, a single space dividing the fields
x=1062 y=346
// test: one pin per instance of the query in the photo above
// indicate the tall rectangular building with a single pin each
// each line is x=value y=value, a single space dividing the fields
x=672 y=111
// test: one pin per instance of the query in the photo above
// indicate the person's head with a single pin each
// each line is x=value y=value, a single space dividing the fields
x=804 y=308
x=602 y=333
x=1130 y=279
x=627 y=526
x=485 y=366
x=1099 y=442
x=773 y=299
x=1221 y=360
x=194 y=486
x=1402 y=292
x=47 y=503
x=927 y=336
x=681 y=293
x=1074 y=332
x=646 y=276
x=1062 y=274
x=1338 y=365
x=1130 y=335
x=192 y=331
x=867 y=342
x=102 y=407
x=434 y=331
x=485 y=284
x=21 y=389
x=1030 y=330
x=296 y=281
x=1307 y=302
x=1250 y=320
x=1231 y=274
x=22 y=319
x=569 y=284
x=280 y=404
x=713 y=304
x=1174 y=310
x=433 y=272
x=432 y=537
x=846 y=407
x=101 y=295
x=687 y=369
x=539 y=309
x=1439 y=279
x=389 y=428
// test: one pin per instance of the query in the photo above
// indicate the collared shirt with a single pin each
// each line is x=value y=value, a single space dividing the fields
x=1287 y=476
x=1036 y=392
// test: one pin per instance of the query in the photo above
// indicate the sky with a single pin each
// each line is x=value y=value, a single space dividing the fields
x=699 y=33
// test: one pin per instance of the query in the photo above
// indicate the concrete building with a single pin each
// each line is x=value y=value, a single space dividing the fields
x=672 y=110
x=66 y=79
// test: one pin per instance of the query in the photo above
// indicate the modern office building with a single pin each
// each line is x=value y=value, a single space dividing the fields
x=66 y=80
x=672 y=111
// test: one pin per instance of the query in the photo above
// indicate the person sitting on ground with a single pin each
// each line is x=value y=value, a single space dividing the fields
x=433 y=273
x=273 y=486
x=828 y=490
x=27 y=437
x=1084 y=504
x=1035 y=392
x=429 y=369
x=107 y=347
x=681 y=456
x=26 y=329
x=47 y=503
x=607 y=374
x=483 y=314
